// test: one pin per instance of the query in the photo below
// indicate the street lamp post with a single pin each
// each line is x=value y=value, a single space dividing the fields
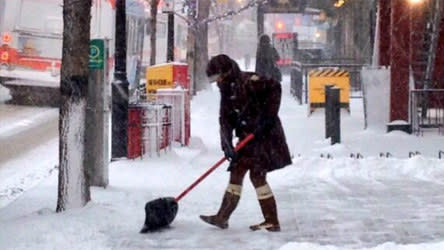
x=168 y=8
x=170 y=38
x=120 y=87
x=418 y=71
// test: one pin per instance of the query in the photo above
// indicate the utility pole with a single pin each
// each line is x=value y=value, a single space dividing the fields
x=97 y=115
x=120 y=86
x=153 y=31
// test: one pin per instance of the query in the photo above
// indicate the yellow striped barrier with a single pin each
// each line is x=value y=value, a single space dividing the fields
x=318 y=78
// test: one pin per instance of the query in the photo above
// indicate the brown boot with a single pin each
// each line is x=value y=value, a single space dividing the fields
x=215 y=221
x=265 y=225
x=229 y=203
x=269 y=210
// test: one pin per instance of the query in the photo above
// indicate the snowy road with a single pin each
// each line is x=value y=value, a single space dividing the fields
x=23 y=128
x=28 y=148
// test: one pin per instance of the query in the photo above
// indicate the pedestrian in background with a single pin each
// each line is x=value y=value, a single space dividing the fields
x=266 y=59
x=249 y=104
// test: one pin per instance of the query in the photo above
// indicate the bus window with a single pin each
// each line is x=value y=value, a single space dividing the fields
x=34 y=46
x=27 y=46
x=54 y=25
x=30 y=15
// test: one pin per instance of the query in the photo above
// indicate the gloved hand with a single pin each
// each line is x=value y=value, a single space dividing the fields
x=232 y=165
x=229 y=152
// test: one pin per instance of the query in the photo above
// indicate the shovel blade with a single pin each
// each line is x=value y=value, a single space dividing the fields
x=159 y=213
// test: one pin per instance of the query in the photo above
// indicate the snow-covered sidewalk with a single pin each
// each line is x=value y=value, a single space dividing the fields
x=348 y=203
x=28 y=148
x=340 y=203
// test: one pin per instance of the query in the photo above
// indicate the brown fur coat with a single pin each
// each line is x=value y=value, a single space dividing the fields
x=248 y=100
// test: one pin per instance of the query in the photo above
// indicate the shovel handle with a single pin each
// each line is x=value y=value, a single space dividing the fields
x=240 y=145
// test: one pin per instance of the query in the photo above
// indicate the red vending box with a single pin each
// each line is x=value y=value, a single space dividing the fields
x=134 y=131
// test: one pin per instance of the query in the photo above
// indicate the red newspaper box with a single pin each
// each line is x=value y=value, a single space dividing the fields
x=134 y=131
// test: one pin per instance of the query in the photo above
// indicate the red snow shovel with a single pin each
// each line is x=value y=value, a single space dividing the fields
x=160 y=212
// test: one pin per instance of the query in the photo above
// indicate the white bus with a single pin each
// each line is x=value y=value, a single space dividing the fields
x=31 y=34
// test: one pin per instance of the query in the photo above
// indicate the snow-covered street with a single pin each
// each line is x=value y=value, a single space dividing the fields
x=339 y=203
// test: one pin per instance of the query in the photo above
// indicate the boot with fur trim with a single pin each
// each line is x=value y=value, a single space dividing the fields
x=269 y=210
x=229 y=203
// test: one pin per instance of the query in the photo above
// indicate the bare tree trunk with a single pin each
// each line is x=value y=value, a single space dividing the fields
x=216 y=8
x=197 y=45
x=73 y=189
x=191 y=46
x=153 y=29
x=202 y=45
x=221 y=35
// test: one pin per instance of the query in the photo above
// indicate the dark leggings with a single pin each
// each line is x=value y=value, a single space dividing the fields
x=258 y=176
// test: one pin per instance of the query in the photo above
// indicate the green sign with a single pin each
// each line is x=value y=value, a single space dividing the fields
x=97 y=54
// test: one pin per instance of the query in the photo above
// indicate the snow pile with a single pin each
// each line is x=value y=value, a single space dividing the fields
x=385 y=246
x=369 y=170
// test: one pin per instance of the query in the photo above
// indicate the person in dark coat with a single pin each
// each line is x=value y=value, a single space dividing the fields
x=249 y=104
x=266 y=59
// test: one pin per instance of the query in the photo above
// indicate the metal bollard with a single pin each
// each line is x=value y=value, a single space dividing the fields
x=328 y=118
x=332 y=114
x=357 y=156
x=411 y=153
